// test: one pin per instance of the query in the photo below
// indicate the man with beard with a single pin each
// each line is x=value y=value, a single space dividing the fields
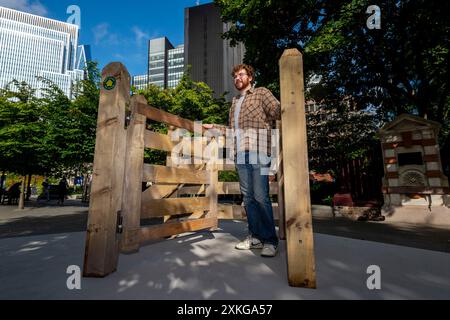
x=254 y=111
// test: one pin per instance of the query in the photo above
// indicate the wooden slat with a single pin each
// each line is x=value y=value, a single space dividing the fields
x=159 y=141
x=102 y=244
x=194 y=190
x=172 y=228
x=165 y=117
x=172 y=206
x=211 y=190
x=223 y=188
x=280 y=184
x=162 y=174
x=299 y=233
x=226 y=167
x=159 y=191
x=237 y=212
x=132 y=189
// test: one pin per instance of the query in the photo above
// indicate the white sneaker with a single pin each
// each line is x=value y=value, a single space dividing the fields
x=249 y=243
x=269 y=250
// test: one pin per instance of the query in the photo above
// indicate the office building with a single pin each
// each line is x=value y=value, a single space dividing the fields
x=175 y=66
x=34 y=46
x=140 y=82
x=83 y=56
x=211 y=58
x=165 y=63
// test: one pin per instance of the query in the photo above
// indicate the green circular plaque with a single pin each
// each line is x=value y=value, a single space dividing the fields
x=109 y=83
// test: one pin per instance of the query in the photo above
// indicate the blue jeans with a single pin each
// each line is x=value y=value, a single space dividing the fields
x=255 y=189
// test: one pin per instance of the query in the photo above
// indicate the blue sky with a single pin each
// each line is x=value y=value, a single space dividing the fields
x=117 y=30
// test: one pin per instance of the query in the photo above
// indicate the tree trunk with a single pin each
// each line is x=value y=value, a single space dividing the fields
x=85 y=188
x=28 y=188
x=22 y=194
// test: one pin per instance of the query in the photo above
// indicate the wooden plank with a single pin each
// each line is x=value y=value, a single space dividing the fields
x=159 y=191
x=102 y=245
x=165 y=117
x=158 y=232
x=172 y=206
x=194 y=190
x=223 y=188
x=280 y=184
x=163 y=174
x=226 y=167
x=132 y=189
x=159 y=141
x=299 y=233
x=211 y=190
x=237 y=212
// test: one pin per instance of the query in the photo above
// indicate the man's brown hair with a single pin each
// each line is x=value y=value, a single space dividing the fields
x=249 y=69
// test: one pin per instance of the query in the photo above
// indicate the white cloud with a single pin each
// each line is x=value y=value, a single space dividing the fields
x=103 y=36
x=140 y=35
x=100 y=32
x=34 y=7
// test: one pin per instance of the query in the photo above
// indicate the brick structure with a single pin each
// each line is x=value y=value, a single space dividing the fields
x=412 y=164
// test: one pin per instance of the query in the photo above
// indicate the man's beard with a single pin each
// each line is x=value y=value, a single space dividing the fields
x=242 y=84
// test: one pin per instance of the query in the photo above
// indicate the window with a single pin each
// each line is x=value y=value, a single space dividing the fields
x=411 y=158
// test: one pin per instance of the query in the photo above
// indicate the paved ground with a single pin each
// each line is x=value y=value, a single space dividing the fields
x=206 y=266
x=38 y=244
x=41 y=218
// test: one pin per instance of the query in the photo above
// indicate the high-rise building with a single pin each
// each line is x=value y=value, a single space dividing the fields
x=83 y=56
x=211 y=58
x=176 y=66
x=140 y=82
x=165 y=63
x=32 y=46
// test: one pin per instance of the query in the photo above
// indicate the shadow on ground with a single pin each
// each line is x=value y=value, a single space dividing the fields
x=410 y=235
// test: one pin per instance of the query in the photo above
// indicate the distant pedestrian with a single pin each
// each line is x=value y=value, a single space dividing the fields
x=62 y=190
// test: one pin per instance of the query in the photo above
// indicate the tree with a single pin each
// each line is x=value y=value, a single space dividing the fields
x=22 y=129
x=402 y=67
x=49 y=135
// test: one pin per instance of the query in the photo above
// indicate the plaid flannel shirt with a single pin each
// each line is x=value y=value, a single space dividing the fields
x=259 y=110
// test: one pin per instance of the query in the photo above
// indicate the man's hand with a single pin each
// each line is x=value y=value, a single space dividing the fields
x=272 y=178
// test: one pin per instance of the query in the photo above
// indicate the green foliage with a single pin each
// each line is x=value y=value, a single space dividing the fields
x=189 y=100
x=403 y=67
x=228 y=176
x=50 y=134
x=22 y=129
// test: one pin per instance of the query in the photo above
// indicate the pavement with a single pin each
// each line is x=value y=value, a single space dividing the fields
x=37 y=246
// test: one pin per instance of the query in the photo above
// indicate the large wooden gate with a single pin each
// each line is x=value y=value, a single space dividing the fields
x=119 y=202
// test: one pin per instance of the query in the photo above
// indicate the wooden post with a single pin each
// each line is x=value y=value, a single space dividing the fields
x=102 y=243
x=299 y=233
x=211 y=190
x=132 y=189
